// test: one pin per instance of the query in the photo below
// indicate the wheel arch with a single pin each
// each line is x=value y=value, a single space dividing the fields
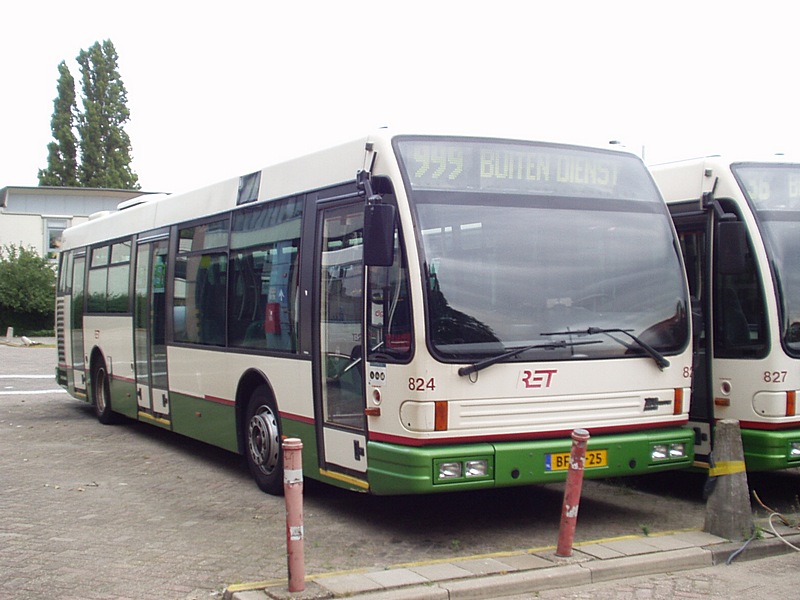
x=104 y=411
x=96 y=357
x=249 y=381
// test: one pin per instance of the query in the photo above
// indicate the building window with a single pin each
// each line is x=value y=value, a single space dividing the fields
x=52 y=241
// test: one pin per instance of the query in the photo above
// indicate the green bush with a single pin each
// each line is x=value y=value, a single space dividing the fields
x=27 y=291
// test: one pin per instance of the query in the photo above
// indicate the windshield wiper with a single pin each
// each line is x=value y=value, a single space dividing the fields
x=488 y=362
x=662 y=362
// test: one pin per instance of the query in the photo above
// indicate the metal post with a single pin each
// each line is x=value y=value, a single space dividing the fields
x=293 y=495
x=572 y=493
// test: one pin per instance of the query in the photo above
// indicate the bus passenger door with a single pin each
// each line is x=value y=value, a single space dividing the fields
x=341 y=423
x=76 y=325
x=149 y=331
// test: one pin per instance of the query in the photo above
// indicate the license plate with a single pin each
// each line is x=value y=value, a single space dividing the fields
x=559 y=461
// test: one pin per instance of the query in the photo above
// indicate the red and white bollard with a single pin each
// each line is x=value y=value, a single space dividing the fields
x=572 y=493
x=293 y=495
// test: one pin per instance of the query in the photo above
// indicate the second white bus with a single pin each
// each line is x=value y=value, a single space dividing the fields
x=739 y=228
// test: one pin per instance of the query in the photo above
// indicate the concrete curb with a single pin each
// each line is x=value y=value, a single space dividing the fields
x=757 y=549
x=509 y=574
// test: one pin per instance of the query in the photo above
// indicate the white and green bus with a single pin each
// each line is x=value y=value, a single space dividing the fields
x=426 y=313
x=739 y=229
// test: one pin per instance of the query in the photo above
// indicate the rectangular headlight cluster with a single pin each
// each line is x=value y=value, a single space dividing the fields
x=794 y=450
x=660 y=452
x=455 y=470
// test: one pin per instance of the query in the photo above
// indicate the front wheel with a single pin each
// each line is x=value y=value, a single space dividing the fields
x=264 y=454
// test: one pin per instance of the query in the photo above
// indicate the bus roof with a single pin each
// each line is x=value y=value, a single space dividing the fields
x=143 y=213
x=316 y=170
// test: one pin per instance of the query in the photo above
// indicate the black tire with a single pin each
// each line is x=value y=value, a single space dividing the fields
x=263 y=441
x=101 y=394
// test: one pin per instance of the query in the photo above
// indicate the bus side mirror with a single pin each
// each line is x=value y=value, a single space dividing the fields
x=731 y=247
x=378 y=235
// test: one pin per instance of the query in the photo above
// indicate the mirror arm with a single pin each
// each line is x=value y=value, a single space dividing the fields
x=364 y=184
x=710 y=201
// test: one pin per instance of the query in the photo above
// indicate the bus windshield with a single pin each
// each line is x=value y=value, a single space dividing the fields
x=542 y=247
x=773 y=191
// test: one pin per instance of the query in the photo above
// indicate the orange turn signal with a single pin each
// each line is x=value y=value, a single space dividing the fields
x=677 y=405
x=440 y=416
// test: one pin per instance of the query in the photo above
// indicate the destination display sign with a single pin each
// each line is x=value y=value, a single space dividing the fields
x=514 y=167
x=770 y=186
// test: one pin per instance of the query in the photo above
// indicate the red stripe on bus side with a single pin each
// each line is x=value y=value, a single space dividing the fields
x=299 y=418
x=216 y=400
x=769 y=426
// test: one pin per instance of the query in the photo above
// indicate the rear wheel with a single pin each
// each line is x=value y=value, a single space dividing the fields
x=101 y=394
x=264 y=454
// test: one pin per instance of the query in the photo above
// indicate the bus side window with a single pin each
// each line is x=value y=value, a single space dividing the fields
x=200 y=294
x=210 y=293
x=265 y=249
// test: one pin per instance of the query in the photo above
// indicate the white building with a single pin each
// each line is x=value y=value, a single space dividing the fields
x=36 y=216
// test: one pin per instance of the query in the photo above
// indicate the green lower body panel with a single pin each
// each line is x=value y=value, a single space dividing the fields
x=769 y=450
x=395 y=469
x=210 y=422
x=123 y=397
x=306 y=433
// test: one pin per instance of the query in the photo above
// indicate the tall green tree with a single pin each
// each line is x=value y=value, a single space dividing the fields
x=62 y=153
x=104 y=144
x=91 y=148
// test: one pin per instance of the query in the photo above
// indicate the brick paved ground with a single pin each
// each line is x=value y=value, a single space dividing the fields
x=774 y=577
x=121 y=512
x=129 y=511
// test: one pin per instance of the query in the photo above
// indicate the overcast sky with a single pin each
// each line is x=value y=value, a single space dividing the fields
x=219 y=89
